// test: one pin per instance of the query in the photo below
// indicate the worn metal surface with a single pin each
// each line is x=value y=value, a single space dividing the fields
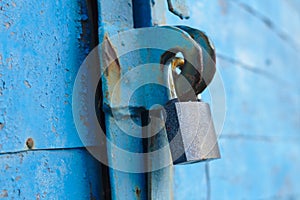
x=257 y=48
x=50 y=174
x=190 y=132
x=179 y=8
x=42 y=44
x=152 y=53
x=158 y=12
x=125 y=185
x=208 y=55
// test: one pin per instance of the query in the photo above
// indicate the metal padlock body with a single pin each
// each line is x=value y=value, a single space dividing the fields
x=191 y=133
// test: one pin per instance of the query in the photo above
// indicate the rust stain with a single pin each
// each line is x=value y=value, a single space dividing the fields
x=7 y=167
x=112 y=68
x=21 y=158
x=84 y=120
x=4 y=193
x=17 y=178
x=7 y=25
x=138 y=192
x=29 y=143
x=53 y=129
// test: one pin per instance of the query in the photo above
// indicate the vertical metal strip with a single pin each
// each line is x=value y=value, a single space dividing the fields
x=116 y=16
x=142 y=13
x=159 y=183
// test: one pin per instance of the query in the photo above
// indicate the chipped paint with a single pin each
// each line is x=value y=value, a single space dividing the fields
x=112 y=68
x=35 y=80
x=4 y=194
x=43 y=173
x=179 y=8
x=42 y=45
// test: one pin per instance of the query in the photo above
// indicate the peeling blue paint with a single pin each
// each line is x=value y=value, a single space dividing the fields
x=42 y=45
x=41 y=51
x=55 y=174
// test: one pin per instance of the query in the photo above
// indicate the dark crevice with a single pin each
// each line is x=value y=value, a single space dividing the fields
x=92 y=7
x=93 y=16
x=40 y=149
x=101 y=120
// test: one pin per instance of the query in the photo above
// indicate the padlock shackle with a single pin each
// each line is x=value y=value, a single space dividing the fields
x=166 y=61
x=179 y=86
x=208 y=55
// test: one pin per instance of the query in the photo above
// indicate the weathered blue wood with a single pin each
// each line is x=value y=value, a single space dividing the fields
x=42 y=44
x=258 y=60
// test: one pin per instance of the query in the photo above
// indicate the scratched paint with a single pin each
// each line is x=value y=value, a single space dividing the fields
x=49 y=174
x=41 y=51
x=42 y=44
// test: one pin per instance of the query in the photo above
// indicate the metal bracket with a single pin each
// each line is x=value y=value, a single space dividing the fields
x=179 y=8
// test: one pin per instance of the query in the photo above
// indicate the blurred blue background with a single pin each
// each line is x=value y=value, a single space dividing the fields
x=258 y=45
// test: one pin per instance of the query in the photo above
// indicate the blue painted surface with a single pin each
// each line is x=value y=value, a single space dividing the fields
x=41 y=50
x=127 y=185
x=42 y=44
x=257 y=48
x=142 y=13
x=50 y=174
x=123 y=185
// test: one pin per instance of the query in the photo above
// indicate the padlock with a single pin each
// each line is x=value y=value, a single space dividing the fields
x=190 y=132
x=188 y=122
